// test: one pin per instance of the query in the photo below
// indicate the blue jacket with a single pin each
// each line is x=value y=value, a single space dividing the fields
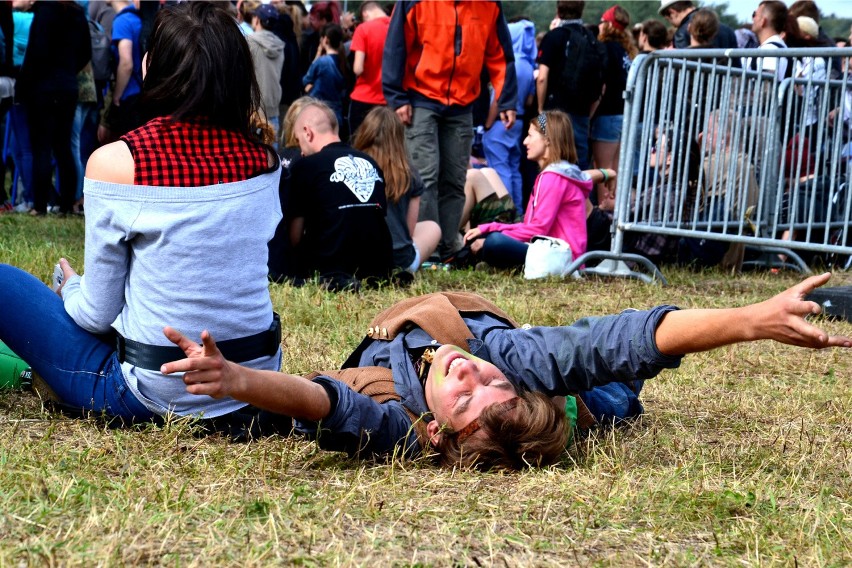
x=556 y=361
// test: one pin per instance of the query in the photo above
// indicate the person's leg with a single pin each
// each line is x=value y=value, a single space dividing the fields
x=581 y=139
x=357 y=112
x=40 y=114
x=503 y=155
x=479 y=184
x=421 y=141
x=21 y=151
x=427 y=235
x=76 y=133
x=60 y=142
x=606 y=142
x=455 y=136
x=501 y=251
x=81 y=368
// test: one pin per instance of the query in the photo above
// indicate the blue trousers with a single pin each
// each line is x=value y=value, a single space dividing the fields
x=80 y=367
x=501 y=251
x=503 y=153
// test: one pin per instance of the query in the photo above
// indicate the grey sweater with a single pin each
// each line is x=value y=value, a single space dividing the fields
x=193 y=258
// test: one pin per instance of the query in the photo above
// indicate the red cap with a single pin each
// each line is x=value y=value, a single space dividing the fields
x=609 y=16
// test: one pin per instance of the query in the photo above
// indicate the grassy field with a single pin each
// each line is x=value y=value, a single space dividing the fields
x=744 y=457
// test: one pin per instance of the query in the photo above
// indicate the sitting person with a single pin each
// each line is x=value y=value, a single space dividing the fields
x=558 y=205
x=382 y=136
x=337 y=207
x=167 y=208
x=412 y=384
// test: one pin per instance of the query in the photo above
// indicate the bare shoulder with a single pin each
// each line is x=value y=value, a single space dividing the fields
x=111 y=163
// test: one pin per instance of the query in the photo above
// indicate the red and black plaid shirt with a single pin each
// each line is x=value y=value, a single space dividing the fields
x=192 y=154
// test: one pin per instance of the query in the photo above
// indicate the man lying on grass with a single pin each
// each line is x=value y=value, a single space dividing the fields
x=490 y=402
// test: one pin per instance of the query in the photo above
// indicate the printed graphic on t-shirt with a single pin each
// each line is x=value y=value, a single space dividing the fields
x=359 y=175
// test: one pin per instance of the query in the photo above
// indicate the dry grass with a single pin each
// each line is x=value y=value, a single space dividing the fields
x=743 y=457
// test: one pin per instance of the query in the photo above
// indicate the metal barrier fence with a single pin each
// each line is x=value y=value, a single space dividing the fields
x=725 y=155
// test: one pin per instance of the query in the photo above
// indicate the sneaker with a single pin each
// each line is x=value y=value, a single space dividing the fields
x=23 y=207
x=53 y=209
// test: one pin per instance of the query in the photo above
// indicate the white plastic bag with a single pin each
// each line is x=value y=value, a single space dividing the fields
x=547 y=256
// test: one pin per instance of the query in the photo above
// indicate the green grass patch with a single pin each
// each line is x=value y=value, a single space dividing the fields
x=744 y=456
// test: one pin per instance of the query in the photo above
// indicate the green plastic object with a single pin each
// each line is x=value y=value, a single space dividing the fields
x=12 y=368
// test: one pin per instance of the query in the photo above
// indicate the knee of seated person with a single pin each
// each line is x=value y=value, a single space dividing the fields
x=534 y=434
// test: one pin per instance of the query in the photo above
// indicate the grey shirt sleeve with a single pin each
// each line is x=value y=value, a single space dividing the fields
x=592 y=352
x=358 y=425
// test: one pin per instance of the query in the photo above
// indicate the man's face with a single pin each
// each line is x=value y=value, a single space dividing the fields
x=673 y=17
x=459 y=386
x=757 y=19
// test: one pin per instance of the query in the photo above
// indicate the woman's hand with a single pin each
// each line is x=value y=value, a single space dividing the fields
x=67 y=272
x=207 y=370
x=474 y=238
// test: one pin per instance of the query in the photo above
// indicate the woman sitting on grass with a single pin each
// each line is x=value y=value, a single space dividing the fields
x=382 y=136
x=558 y=205
x=451 y=370
x=178 y=215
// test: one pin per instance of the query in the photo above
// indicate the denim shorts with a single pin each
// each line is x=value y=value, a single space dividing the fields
x=607 y=128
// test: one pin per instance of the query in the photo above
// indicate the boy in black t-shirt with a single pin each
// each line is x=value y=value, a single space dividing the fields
x=337 y=206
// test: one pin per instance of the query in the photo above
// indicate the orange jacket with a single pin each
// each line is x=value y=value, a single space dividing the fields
x=435 y=51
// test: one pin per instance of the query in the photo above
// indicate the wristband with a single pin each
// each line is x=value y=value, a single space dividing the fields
x=605 y=175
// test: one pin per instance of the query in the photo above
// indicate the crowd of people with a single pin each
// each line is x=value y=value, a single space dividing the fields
x=471 y=100
x=206 y=167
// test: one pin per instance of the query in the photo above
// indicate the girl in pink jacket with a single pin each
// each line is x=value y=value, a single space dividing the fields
x=559 y=201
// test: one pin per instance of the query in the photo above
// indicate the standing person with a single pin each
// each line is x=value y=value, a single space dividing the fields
x=558 y=205
x=59 y=48
x=166 y=207
x=321 y=14
x=337 y=207
x=122 y=114
x=368 y=44
x=679 y=12
x=267 y=55
x=382 y=136
x=609 y=117
x=19 y=139
x=570 y=77
x=502 y=147
x=431 y=77
x=768 y=21
x=324 y=80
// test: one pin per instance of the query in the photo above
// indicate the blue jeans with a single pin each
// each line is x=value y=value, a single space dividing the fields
x=81 y=368
x=439 y=147
x=501 y=251
x=22 y=154
x=580 y=124
x=84 y=139
x=503 y=153
x=614 y=402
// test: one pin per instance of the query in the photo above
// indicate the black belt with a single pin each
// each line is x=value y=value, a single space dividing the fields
x=263 y=344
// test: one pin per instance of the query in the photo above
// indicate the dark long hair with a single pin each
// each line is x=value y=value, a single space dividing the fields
x=199 y=66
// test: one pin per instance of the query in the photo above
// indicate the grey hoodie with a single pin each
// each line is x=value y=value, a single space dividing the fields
x=267 y=53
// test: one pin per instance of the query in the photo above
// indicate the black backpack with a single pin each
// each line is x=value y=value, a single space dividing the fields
x=582 y=76
x=101 y=53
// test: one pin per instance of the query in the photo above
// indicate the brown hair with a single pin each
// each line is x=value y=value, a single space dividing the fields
x=570 y=10
x=288 y=125
x=560 y=133
x=775 y=12
x=704 y=26
x=804 y=8
x=656 y=33
x=382 y=136
x=621 y=36
x=534 y=435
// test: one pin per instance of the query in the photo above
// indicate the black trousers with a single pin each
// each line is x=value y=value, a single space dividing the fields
x=50 y=117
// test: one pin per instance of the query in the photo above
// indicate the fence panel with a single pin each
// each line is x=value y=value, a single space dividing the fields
x=726 y=155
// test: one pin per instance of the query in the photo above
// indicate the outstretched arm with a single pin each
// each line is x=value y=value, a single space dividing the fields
x=780 y=318
x=208 y=372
